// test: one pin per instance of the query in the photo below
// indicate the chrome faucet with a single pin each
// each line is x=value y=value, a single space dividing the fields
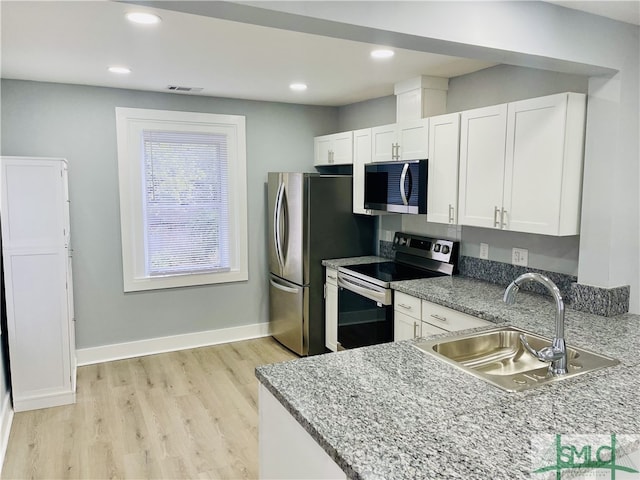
x=556 y=353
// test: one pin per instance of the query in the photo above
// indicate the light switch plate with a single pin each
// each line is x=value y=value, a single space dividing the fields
x=520 y=256
x=484 y=251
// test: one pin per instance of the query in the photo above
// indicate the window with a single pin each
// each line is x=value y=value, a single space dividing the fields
x=183 y=208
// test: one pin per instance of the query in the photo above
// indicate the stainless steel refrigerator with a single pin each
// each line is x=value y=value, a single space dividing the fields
x=310 y=219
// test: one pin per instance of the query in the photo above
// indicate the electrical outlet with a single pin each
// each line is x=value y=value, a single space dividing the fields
x=484 y=251
x=520 y=256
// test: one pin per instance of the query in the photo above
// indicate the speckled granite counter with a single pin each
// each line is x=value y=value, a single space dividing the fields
x=343 y=262
x=390 y=411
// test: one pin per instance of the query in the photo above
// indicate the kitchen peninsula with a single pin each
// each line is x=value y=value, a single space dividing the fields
x=390 y=411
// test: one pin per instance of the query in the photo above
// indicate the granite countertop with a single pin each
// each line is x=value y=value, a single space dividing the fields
x=390 y=411
x=343 y=262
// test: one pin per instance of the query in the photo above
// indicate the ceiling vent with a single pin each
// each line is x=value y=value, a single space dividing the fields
x=179 y=88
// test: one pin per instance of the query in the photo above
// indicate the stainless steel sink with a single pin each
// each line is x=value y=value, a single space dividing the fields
x=498 y=357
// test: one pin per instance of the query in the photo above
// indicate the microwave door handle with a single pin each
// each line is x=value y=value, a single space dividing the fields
x=403 y=176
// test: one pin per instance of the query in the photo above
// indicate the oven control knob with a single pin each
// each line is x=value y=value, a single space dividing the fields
x=445 y=249
x=436 y=247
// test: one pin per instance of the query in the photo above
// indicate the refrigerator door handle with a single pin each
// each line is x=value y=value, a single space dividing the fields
x=276 y=224
x=284 y=288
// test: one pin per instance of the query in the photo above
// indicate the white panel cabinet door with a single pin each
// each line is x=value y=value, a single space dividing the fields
x=38 y=282
x=444 y=158
x=413 y=139
x=405 y=327
x=542 y=184
x=482 y=164
x=400 y=141
x=384 y=140
x=361 y=156
x=331 y=309
x=334 y=149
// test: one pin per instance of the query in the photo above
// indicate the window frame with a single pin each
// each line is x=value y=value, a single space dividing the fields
x=130 y=123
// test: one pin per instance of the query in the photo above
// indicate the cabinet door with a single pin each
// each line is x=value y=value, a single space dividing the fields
x=482 y=163
x=428 y=329
x=361 y=156
x=331 y=317
x=534 y=171
x=342 y=149
x=322 y=147
x=39 y=343
x=444 y=157
x=404 y=326
x=413 y=138
x=32 y=200
x=383 y=140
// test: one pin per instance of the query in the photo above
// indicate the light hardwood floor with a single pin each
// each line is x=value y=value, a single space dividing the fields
x=182 y=415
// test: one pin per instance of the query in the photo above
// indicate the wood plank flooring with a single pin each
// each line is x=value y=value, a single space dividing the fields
x=191 y=414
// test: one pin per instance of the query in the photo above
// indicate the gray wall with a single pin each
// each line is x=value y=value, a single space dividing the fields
x=370 y=113
x=78 y=123
x=491 y=86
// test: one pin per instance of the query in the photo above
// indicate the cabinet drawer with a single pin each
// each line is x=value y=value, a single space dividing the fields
x=428 y=329
x=331 y=276
x=407 y=304
x=449 y=319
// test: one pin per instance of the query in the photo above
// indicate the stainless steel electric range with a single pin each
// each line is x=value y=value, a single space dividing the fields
x=365 y=299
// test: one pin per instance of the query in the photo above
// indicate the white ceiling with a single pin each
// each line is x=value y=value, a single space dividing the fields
x=75 y=41
x=627 y=11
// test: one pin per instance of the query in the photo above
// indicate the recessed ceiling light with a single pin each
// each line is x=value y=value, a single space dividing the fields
x=120 y=70
x=298 y=87
x=143 y=18
x=382 y=53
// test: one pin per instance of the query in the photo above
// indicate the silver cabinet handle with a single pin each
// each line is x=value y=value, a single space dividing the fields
x=438 y=317
x=415 y=328
x=502 y=216
x=397 y=151
x=496 y=221
x=408 y=307
x=450 y=213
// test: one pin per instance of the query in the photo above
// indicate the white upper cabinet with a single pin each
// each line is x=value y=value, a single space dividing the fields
x=334 y=149
x=400 y=141
x=521 y=165
x=361 y=156
x=444 y=156
x=482 y=152
x=543 y=168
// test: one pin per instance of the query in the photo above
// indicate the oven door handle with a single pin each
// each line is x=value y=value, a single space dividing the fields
x=377 y=294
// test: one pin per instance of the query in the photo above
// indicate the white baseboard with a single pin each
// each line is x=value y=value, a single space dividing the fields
x=140 y=348
x=6 y=419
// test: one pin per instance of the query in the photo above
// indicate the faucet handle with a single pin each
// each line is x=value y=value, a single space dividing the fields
x=546 y=354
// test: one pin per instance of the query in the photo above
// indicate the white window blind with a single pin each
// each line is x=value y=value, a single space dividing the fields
x=185 y=203
x=183 y=198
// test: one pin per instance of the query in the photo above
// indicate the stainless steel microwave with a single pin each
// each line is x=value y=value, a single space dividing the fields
x=399 y=187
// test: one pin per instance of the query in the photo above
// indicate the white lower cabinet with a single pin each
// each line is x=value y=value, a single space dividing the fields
x=331 y=309
x=286 y=450
x=38 y=282
x=448 y=319
x=414 y=318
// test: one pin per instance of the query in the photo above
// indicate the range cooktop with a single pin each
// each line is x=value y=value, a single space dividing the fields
x=392 y=271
